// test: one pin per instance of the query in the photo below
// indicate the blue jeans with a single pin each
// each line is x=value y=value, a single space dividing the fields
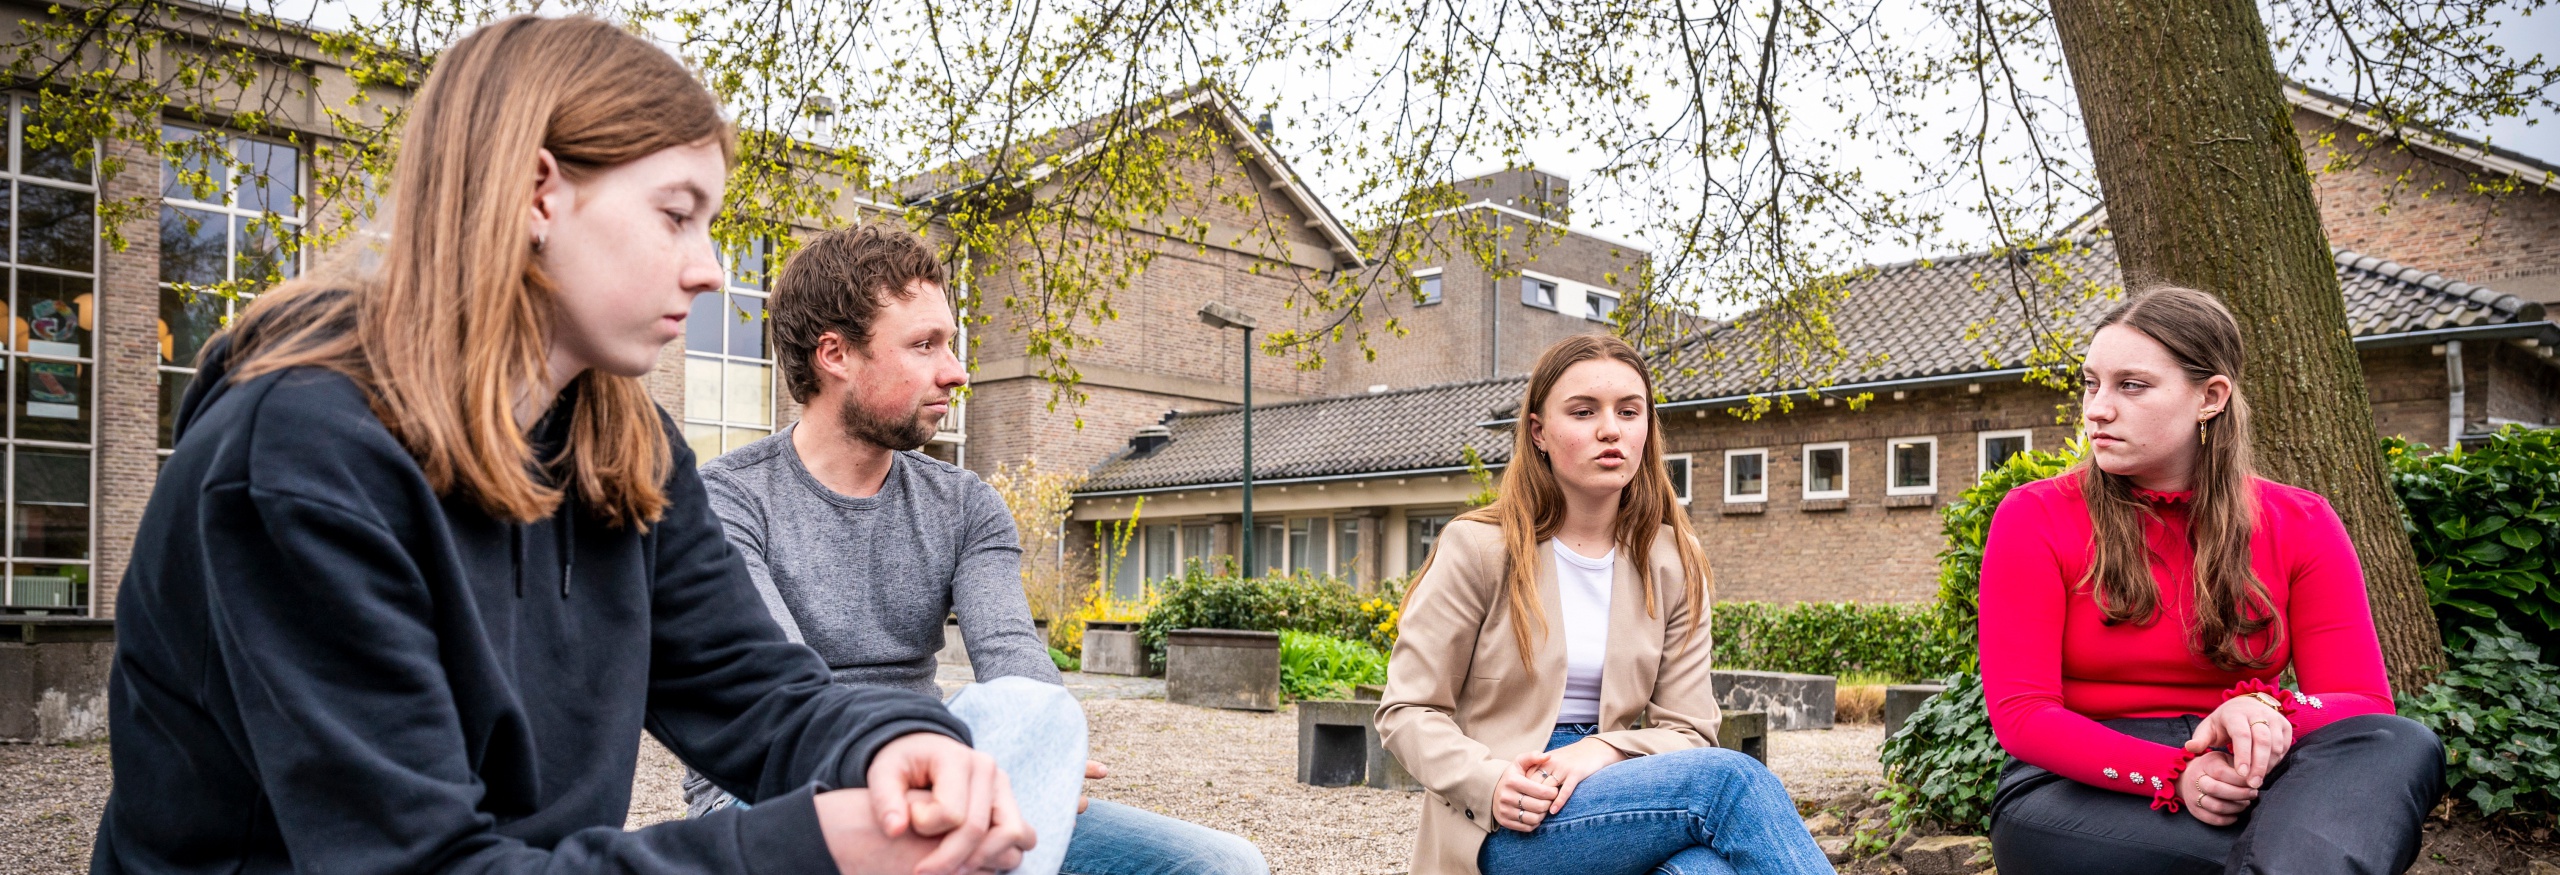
x=1036 y=733
x=1705 y=811
x=1114 y=839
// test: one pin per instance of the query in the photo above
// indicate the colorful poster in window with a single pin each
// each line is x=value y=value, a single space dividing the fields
x=53 y=390
x=53 y=328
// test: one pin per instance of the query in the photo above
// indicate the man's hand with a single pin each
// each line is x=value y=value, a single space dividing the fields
x=855 y=841
x=2214 y=791
x=2256 y=735
x=935 y=787
x=1093 y=771
x=1568 y=765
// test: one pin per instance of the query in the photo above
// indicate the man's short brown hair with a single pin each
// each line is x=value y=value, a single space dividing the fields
x=837 y=282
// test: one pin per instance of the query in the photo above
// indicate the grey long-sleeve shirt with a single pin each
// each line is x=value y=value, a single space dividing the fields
x=866 y=582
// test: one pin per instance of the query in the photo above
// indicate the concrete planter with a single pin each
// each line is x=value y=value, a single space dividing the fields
x=1792 y=701
x=1114 y=648
x=1223 y=668
x=1902 y=699
x=1745 y=731
x=1338 y=746
x=955 y=649
x=53 y=678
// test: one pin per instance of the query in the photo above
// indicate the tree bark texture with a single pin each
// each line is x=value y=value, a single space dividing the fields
x=2206 y=188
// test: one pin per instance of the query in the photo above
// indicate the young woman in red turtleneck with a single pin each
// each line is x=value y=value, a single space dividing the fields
x=2138 y=616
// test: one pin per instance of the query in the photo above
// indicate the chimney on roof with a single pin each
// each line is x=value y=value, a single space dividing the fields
x=1524 y=188
x=1148 y=440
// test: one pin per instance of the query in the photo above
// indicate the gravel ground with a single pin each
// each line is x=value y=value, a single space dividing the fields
x=1230 y=770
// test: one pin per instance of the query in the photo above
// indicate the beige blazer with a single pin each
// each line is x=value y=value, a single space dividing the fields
x=1459 y=707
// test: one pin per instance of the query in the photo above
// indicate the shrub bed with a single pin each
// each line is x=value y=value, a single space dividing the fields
x=2486 y=527
x=1902 y=642
x=1316 y=666
x=1308 y=603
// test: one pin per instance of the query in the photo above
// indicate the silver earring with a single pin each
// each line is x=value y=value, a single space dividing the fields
x=539 y=239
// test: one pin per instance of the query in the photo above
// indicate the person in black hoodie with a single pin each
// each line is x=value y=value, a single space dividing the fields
x=427 y=560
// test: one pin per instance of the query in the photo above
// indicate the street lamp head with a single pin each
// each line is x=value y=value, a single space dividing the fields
x=1217 y=315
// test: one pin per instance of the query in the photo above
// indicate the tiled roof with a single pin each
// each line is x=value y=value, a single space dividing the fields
x=1913 y=320
x=1399 y=430
x=1956 y=316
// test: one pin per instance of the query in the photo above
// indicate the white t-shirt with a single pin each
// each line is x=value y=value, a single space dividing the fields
x=1582 y=585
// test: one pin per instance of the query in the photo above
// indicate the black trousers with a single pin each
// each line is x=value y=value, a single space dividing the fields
x=2348 y=798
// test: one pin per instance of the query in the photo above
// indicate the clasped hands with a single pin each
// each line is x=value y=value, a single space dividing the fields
x=933 y=807
x=1538 y=784
x=2235 y=747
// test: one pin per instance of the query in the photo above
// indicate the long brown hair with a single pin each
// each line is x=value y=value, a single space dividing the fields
x=453 y=327
x=2231 y=603
x=1530 y=508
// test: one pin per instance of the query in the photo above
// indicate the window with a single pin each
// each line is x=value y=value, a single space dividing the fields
x=1195 y=543
x=1346 y=550
x=1126 y=559
x=1746 y=475
x=1429 y=280
x=1826 y=471
x=1678 y=467
x=1993 y=448
x=1267 y=547
x=1161 y=562
x=728 y=366
x=49 y=364
x=1537 y=292
x=229 y=215
x=1599 y=305
x=1420 y=532
x=1307 y=545
x=1911 y=466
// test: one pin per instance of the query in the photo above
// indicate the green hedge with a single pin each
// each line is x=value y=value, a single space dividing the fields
x=1309 y=603
x=1966 y=523
x=1907 y=642
x=2486 y=527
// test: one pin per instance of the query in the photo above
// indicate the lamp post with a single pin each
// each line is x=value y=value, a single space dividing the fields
x=1217 y=315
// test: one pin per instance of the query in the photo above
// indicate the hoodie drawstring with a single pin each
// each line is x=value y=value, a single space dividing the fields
x=515 y=537
x=568 y=540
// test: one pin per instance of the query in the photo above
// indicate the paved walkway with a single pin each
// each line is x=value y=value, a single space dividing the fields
x=1085 y=686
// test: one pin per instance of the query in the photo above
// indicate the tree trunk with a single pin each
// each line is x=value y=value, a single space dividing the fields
x=2205 y=188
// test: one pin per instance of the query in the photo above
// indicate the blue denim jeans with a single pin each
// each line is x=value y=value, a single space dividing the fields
x=1113 y=839
x=1705 y=811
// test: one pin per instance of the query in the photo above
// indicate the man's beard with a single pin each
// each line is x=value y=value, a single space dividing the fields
x=909 y=432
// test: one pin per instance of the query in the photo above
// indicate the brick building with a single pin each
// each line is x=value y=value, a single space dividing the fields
x=1834 y=500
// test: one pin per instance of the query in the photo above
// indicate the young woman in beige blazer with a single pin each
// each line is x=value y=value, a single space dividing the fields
x=1555 y=706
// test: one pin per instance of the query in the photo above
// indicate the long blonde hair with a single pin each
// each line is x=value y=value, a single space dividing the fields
x=1530 y=508
x=2231 y=604
x=454 y=326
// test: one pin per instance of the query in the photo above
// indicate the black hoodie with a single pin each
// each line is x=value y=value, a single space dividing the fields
x=323 y=666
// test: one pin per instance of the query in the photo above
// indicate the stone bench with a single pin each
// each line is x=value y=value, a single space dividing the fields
x=1223 y=668
x=1792 y=701
x=53 y=678
x=1114 y=648
x=1902 y=699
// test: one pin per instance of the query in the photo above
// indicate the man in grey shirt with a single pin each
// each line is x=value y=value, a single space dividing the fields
x=861 y=546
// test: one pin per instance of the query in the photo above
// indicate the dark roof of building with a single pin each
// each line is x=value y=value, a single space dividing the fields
x=1958 y=315
x=1942 y=318
x=2493 y=159
x=1399 y=430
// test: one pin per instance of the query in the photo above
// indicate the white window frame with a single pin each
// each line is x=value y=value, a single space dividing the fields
x=1731 y=497
x=14 y=105
x=1982 y=446
x=731 y=431
x=1684 y=485
x=1893 y=466
x=228 y=209
x=1430 y=273
x=1805 y=478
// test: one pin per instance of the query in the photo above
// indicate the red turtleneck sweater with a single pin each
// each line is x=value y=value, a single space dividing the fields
x=2052 y=668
